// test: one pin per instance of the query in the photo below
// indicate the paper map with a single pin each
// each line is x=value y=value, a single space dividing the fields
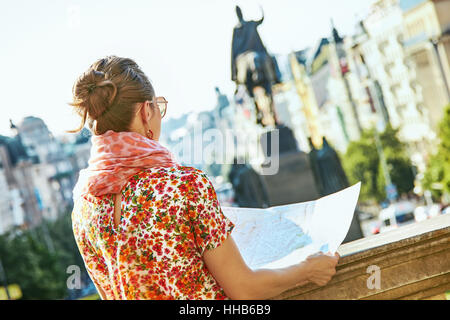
x=281 y=236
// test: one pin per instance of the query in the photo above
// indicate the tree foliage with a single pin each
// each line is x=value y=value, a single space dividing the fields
x=437 y=175
x=362 y=163
x=40 y=269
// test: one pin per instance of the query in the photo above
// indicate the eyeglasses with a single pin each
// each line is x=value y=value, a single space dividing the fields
x=161 y=103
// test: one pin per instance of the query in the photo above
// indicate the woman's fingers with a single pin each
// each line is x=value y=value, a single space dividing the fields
x=335 y=255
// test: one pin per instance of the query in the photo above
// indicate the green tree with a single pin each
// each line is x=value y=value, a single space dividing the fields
x=362 y=163
x=398 y=162
x=400 y=170
x=437 y=175
x=28 y=262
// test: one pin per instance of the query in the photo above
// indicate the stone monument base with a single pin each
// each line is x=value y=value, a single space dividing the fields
x=294 y=181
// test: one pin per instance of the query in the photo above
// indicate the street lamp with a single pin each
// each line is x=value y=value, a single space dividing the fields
x=391 y=190
x=435 y=42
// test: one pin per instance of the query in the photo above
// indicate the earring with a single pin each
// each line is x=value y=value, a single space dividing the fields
x=151 y=133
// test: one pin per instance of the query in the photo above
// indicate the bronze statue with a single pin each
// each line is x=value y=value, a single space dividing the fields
x=253 y=67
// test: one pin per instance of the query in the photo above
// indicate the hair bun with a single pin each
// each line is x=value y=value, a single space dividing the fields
x=105 y=96
x=94 y=93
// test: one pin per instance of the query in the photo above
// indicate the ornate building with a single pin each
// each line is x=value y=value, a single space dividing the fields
x=381 y=51
x=427 y=43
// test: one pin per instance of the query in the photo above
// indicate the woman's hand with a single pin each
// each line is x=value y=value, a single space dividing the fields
x=321 y=268
x=229 y=269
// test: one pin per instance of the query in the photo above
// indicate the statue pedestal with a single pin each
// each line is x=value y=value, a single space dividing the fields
x=294 y=181
x=301 y=176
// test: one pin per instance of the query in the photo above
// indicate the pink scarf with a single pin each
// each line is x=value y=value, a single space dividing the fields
x=115 y=157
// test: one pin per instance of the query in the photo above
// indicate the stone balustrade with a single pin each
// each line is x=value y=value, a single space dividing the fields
x=411 y=262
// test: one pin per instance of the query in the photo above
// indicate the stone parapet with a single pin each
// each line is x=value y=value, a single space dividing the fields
x=413 y=262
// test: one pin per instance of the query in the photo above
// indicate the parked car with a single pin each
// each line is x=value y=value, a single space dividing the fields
x=422 y=213
x=446 y=209
x=395 y=215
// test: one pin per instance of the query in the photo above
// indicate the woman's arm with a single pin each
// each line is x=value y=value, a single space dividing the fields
x=240 y=282
x=224 y=261
x=101 y=293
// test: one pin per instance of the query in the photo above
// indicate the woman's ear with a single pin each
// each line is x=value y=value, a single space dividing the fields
x=146 y=112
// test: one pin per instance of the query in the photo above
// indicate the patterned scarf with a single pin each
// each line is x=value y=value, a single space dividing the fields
x=115 y=157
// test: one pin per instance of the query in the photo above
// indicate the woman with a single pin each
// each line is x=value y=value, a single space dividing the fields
x=147 y=227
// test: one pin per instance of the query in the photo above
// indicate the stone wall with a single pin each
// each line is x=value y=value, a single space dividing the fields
x=413 y=263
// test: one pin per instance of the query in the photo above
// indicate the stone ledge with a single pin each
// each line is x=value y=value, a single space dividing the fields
x=414 y=261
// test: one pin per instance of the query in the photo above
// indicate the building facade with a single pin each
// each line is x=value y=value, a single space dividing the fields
x=37 y=174
x=382 y=50
x=425 y=24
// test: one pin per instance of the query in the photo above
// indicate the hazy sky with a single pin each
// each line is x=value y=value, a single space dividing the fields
x=183 y=46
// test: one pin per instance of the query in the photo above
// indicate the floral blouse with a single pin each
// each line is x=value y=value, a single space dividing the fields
x=170 y=216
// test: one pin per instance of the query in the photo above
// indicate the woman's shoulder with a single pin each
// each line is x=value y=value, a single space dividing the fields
x=179 y=179
x=178 y=172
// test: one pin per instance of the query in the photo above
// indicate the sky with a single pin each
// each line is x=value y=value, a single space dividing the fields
x=184 y=47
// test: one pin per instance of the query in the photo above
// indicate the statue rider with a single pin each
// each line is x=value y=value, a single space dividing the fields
x=251 y=64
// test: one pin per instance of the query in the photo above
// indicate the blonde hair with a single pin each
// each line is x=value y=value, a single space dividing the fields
x=107 y=93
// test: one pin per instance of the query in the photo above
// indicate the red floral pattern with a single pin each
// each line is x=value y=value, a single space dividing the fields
x=170 y=215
